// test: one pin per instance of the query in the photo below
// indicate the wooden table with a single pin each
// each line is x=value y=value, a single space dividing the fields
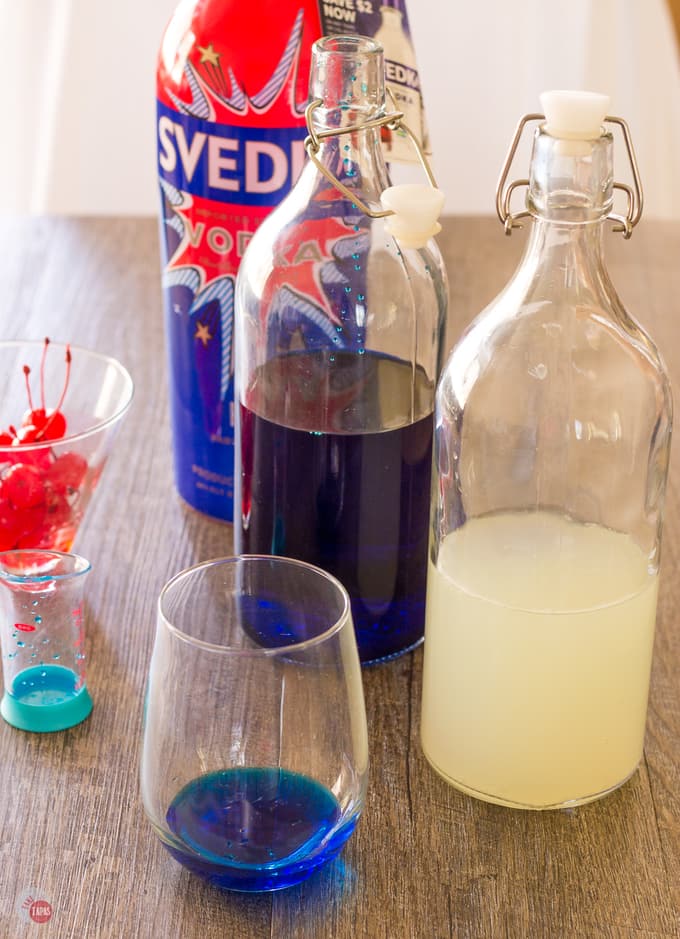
x=425 y=861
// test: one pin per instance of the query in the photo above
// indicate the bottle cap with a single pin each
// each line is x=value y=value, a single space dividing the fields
x=416 y=208
x=574 y=115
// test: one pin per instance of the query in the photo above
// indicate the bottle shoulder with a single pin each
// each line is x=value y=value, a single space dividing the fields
x=544 y=341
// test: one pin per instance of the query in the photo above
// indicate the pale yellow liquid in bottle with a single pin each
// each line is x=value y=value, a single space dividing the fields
x=538 y=646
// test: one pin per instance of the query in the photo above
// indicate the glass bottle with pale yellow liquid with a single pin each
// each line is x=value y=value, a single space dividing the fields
x=553 y=423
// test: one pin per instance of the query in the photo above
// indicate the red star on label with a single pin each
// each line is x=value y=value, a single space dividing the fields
x=304 y=248
x=209 y=247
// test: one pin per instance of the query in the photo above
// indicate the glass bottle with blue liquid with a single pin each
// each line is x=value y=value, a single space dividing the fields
x=340 y=311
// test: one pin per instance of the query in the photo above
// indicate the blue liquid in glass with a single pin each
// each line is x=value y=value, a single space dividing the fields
x=356 y=504
x=255 y=829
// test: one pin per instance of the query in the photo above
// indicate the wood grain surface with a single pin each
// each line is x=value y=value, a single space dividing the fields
x=426 y=862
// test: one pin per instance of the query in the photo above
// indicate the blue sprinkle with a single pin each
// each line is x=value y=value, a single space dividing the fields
x=361 y=297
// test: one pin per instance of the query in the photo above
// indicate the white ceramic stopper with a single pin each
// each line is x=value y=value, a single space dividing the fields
x=416 y=208
x=574 y=115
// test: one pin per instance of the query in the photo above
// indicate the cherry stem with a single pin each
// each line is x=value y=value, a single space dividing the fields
x=27 y=372
x=56 y=411
x=13 y=431
x=42 y=372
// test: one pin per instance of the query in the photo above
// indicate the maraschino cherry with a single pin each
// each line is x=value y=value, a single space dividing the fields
x=39 y=490
x=39 y=423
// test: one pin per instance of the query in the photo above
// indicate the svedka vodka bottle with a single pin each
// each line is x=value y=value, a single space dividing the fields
x=230 y=131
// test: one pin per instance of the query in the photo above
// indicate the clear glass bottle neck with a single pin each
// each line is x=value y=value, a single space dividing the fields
x=567 y=260
x=570 y=196
x=347 y=78
x=571 y=181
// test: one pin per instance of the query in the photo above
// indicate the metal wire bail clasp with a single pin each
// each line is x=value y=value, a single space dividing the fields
x=625 y=223
x=393 y=121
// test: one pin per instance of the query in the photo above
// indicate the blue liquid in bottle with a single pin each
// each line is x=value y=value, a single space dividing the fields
x=353 y=503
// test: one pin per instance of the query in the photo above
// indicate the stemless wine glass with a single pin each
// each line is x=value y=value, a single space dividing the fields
x=255 y=754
